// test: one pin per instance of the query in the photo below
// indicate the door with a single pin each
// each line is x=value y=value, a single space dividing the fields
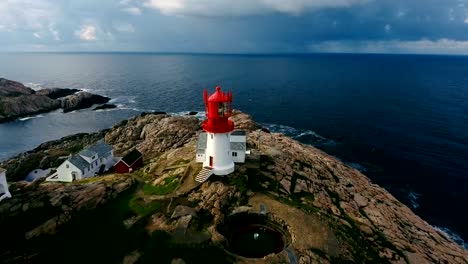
x=74 y=175
x=211 y=161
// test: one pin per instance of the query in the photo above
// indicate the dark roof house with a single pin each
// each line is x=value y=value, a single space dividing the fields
x=130 y=162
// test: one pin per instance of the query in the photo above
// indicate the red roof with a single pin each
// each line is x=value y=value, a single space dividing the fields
x=219 y=96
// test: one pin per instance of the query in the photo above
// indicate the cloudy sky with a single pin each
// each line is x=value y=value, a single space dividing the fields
x=236 y=26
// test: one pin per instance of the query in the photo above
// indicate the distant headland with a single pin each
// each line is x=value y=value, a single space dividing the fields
x=17 y=100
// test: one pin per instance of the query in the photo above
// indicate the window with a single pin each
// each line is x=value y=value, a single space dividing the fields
x=234 y=154
x=67 y=166
x=211 y=136
x=220 y=110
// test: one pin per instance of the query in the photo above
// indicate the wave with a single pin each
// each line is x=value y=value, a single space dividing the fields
x=30 y=117
x=34 y=86
x=303 y=135
x=356 y=166
x=452 y=235
x=123 y=99
x=413 y=197
x=199 y=114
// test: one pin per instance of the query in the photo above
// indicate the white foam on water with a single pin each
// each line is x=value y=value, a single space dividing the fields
x=30 y=117
x=34 y=86
x=200 y=114
x=299 y=134
x=452 y=235
x=414 y=196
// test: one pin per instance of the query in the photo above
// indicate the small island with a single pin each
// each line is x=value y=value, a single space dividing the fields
x=17 y=100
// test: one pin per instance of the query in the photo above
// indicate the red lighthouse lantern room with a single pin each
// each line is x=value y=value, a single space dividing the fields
x=218 y=109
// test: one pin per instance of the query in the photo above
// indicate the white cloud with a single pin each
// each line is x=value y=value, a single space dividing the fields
x=26 y=14
x=37 y=35
x=132 y=10
x=87 y=32
x=55 y=33
x=423 y=46
x=243 y=7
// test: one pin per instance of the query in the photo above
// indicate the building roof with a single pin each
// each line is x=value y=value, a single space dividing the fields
x=132 y=157
x=79 y=162
x=238 y=146
x=201 y=144
x=238 y=133
x=100 y=148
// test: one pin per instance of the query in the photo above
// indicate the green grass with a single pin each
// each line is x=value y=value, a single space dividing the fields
x=139 y=206
x=167 y=186
x=75 y=148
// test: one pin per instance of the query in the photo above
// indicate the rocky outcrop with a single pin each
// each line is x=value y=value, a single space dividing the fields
x=81 y=100
x=55 y=93
x=153 y=134
x=316 y=180
x=10 y=88
x=54 y=204
x=17 y=100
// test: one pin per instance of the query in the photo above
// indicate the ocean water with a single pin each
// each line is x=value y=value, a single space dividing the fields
x=400 y=119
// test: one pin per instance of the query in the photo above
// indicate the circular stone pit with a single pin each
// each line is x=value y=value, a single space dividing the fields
x=253 y=235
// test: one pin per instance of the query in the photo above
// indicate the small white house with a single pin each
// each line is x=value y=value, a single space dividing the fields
x=94 y=160
x=237 y=151
x=238 y=146
x=4 y=193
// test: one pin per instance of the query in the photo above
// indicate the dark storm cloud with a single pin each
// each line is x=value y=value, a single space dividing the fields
x=428 y=26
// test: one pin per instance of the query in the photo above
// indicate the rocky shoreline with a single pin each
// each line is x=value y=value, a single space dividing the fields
x=331 y=212
x=17 y=100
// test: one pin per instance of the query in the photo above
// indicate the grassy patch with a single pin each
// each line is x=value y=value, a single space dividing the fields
x=139 y=206
x=75 y=148
x=167 y=186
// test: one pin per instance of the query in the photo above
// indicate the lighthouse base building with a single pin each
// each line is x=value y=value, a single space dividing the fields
x=219 y=146
x=211 y=150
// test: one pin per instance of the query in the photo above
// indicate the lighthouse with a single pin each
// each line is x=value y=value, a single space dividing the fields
x=219 y=146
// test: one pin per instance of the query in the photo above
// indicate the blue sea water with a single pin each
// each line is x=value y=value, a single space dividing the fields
x=400 y=119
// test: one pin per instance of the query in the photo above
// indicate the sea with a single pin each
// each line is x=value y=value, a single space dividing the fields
x=402 y=120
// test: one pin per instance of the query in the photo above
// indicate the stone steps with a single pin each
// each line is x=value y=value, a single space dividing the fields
x=204 y=174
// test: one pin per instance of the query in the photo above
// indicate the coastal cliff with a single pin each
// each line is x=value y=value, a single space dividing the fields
x=329 y=212
x=17 y=100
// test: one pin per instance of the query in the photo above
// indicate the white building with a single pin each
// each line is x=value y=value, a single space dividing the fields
x=4 y=193
x=237 y=146
x=94 y=160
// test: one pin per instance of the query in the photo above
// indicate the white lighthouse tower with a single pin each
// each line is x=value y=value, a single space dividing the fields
x=217 y=149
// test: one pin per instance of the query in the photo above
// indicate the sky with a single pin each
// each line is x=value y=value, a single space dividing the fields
x=235 y=26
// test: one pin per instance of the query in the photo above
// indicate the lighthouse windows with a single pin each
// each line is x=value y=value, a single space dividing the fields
x=220 y=109
x=234 y=154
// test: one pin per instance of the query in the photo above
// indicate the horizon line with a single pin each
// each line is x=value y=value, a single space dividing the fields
x=232 y=53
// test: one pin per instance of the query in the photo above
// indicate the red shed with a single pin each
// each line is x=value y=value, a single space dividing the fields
x=130 y=162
